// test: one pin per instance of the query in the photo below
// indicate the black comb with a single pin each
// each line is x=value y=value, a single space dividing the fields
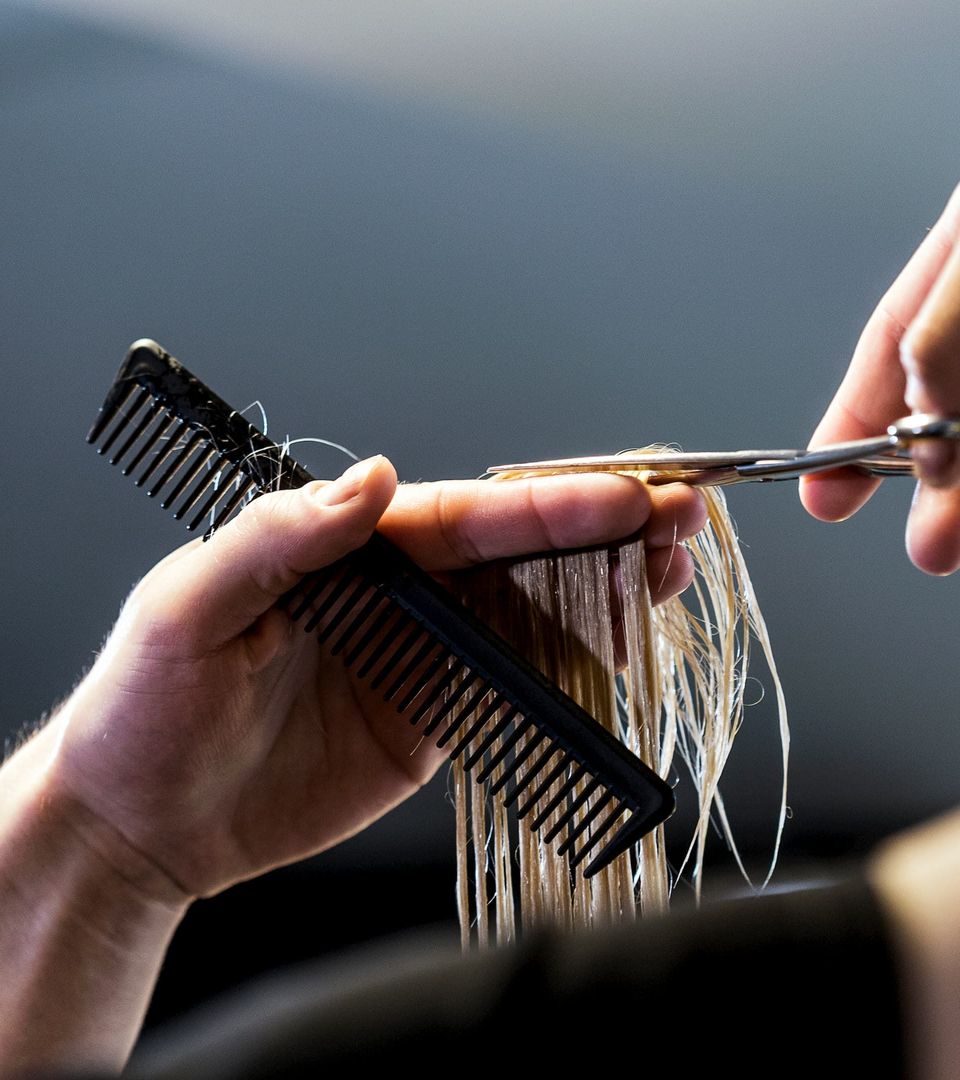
x=391 y=622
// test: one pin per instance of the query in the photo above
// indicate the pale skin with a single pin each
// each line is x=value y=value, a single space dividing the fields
x=908 y=360
x=213 y=740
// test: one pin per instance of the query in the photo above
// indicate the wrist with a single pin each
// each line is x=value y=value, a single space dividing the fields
x=83 y=928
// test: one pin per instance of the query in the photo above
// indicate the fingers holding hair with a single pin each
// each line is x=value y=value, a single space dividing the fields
x=461 y=523
x=220 y=589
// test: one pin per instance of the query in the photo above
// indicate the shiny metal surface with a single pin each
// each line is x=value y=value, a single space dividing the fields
x=880 y=455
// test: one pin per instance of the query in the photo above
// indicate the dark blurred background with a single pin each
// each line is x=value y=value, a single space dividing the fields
x=461 y=234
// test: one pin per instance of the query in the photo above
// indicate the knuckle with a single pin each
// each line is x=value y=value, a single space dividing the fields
x=925 y=352
x=555 y=531
x=264 y=513
x=454 y=529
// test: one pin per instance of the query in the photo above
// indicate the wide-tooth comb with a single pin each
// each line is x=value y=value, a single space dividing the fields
x=391 y=622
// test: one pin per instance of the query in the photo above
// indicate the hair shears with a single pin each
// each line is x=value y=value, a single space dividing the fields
x=880 y=455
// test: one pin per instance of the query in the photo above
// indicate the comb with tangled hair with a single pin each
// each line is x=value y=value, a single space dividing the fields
x=391 y=623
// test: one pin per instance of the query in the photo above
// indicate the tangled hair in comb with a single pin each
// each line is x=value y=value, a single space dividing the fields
x=680 y=697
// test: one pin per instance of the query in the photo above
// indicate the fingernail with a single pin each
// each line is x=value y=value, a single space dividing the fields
x=936 y=461
x=914 y=394
x=349 y=485
x=932 y=542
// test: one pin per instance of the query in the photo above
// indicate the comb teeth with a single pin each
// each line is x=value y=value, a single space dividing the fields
x=125 y=415
x=488 y=726
x=448 y=700
x=406 y=644
x=506 y=745
x=474 y=730
x=542 y=787
x=166 y=442
x=387 y=619
x=222 y=482
x=204 y=472
x=598 y=834
x=445 y=672
x=570 y=812
x=488 y=739
x=453 y=700
x=176 y=460
x=138 y=433
x=520 y=760
x=457 y=707
x=325 y=627
x=182 y=452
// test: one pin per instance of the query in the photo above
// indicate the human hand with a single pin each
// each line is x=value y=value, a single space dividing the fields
x=212 y=739
x=907 y=360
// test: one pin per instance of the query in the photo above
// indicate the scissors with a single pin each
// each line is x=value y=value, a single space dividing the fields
x=879 y=455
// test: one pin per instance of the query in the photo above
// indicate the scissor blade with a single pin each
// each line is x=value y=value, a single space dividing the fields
x=695 y=461
x=725 y=467
x=833 y=456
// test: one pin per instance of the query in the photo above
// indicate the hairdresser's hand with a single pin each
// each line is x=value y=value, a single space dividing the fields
x=907 y=360
x=214 y=740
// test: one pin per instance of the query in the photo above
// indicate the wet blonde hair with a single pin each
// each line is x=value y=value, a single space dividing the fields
x=680 y=698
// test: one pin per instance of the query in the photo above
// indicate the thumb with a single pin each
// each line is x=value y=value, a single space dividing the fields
x=217 y=590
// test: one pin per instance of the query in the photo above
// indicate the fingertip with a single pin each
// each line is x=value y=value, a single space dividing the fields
x=933 y=530
x=818 y=499
x=837 y=495
x=933 y=558
x=678 y=512
x=669 y=571
x=380 y=484
x=578 y=510
x=695 y=506
x=340 y=514
x=374 y=478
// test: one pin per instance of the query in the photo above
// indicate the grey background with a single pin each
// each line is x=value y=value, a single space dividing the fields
x=460 y=234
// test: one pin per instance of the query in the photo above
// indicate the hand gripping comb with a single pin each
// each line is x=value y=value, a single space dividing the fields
x=391 y=622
